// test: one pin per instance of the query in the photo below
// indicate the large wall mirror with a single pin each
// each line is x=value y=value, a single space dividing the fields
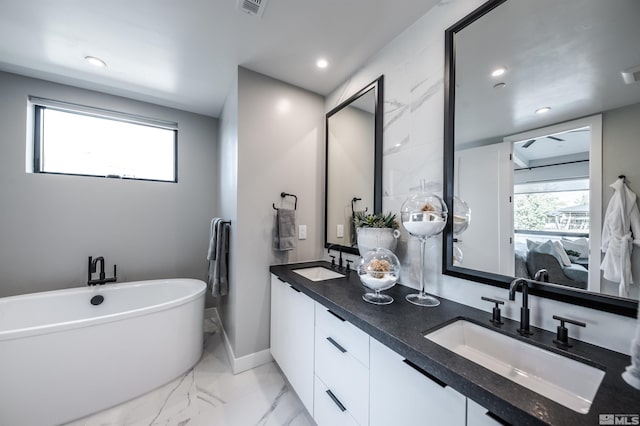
x=542 y=115
x=353 y=164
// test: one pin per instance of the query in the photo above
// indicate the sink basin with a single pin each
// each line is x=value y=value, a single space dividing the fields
x=561 y=379
x=318 y=273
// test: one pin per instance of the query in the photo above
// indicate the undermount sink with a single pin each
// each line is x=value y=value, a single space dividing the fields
x=318 y=273
x=561 y=379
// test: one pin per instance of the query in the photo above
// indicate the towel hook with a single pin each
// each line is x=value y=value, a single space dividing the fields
x=284 y=194
x=622 y=177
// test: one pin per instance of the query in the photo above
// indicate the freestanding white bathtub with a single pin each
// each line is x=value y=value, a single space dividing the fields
x=62 y=358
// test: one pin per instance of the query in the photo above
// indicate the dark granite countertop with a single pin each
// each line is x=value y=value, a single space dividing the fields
x=402 y=326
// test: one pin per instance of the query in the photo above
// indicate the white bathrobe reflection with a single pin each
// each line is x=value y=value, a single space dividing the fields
x=621 y=229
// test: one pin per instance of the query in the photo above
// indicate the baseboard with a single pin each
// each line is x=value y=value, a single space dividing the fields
x=244 y=363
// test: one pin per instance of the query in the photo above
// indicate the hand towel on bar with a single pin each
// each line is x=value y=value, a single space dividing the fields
x=285 y=234
x=217 y=255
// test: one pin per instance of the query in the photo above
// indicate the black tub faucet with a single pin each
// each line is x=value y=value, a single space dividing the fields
x=93 y=268
x=524 y=310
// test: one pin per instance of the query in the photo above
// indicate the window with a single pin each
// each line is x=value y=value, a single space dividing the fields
x=556 y=207
x=77 y=140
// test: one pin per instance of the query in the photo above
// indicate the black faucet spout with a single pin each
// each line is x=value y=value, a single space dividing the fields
x=93 y=268
x=524 y=310
x=340 y=262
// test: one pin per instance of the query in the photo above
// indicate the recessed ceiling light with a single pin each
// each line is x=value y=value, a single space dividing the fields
x=543 y=110
x=498 y=72
x=96 y=62
x=322 y=63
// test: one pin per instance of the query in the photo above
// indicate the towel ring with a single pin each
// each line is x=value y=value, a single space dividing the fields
x=284 y=194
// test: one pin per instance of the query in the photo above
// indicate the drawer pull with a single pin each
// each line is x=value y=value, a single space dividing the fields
x=293 y=288
x=336 y=344
x=336 y=315
x=497 y=419
x=336 y=400
x=424 y=373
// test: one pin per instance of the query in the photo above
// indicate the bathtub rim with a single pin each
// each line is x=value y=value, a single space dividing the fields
x=19 y=333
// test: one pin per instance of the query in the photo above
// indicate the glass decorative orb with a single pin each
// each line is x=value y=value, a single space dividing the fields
x=424 y=215
x=461 y=216
x=379 y=270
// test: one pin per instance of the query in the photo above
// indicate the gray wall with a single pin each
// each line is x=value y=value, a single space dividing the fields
x=279 y=147
x=228 y=204
x=620 y=155
x=50 y=224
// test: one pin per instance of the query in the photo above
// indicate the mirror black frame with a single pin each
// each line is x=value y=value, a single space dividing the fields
x=607 y=303
x=378 y=87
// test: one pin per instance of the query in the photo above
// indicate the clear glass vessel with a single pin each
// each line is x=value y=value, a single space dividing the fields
x=379 y=270
x=423 y=215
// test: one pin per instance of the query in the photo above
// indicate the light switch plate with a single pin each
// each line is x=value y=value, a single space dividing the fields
x=302 y=232
x=340 y=231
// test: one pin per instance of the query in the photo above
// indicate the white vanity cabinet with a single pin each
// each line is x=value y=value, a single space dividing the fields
x=345 y=377
x=292 y=331
x=477 y=415
x=342 y=371
x=401 y=394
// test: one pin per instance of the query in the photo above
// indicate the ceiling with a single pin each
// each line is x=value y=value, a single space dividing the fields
x=566 y=55
x=184 y=54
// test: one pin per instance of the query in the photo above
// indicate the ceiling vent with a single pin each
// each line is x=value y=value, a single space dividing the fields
x=252 y=7
x=631 y=75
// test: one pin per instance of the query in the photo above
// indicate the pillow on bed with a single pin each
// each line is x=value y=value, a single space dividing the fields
x=548 y=247
x=581 y=245
x=563 y=254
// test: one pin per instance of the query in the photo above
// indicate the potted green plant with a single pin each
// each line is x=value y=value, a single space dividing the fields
x=376 y=230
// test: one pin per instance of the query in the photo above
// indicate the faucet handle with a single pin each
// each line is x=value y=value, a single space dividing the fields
x=333 y=260
x=497 y=317
x=349 y=262
x=562 y=334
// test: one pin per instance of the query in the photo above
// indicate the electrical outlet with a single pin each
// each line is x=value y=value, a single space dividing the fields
x=302 y=232
x=340 y=231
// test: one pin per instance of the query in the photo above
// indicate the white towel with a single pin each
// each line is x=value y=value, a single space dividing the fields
x=632 y=374
x=621 y=225
x=218 y=279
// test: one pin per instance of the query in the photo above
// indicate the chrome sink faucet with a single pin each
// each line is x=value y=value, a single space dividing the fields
x=524 y=310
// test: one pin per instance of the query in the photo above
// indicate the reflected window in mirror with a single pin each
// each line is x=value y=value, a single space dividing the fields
x=353 y=164
x=539 y=121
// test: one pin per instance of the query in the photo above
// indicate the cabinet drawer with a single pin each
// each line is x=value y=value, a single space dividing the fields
x=328 y=409
x=350 y=337
x=403 y=395
x=343 y=374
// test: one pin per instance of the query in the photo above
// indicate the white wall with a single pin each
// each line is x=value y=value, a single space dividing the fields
x=280 y=147
x=413 y=66
x=50 y=224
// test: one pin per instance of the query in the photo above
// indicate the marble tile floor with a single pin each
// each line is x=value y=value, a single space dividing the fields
x=210 y=395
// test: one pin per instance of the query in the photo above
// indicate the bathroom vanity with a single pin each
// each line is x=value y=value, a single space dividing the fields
x=354 y=363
